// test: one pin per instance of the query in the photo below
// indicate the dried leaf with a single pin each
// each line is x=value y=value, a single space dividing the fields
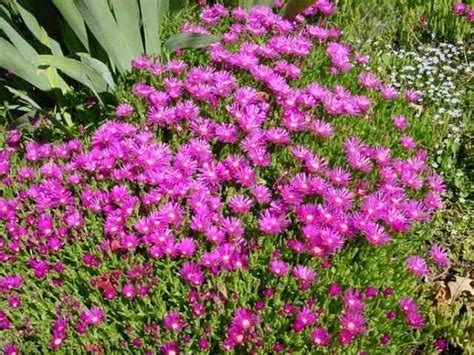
x=460 y=285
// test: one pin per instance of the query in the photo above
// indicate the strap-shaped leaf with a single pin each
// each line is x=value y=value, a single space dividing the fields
x=73 y=17
x=74 y=69
x=190 y=40
x=38 y=31
x=153 y=12
x=269 y=3
x=20 y=43
x=11 y=59
x=127 y=15
x=101 y=22
x=294 y=7
x=23 y=96
x=99 y=67
x=248 y=4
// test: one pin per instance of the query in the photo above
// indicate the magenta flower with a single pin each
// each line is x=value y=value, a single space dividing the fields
x=12 y=282
x=170 y=348
x=388 y=92
x=353 y=323
x=240 y=204
x=93 y=317
x=320 y=337
x=11 y=349
x=417 y=265
x=128 y=291
x=408 y=305
x=270 y=223
x=173 y=322
x=124 y=110
x=192 y=273
x=304 y=318
x=369 y=80
x=439 y=255
x=415 y=320
x=460 y=8
x=278 y=268
x=304 y=274
x=244 y=319
x=400 y=122
x=334 y=290
x=413 y=95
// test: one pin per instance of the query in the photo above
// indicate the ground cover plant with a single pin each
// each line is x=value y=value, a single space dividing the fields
x=271 y=193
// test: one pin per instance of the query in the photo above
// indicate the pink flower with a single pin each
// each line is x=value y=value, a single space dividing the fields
x=304 y=318
x=270 y=223
x=173 y=322
x=412 y=95
x=240 y=204
x=408 y=305
x=417 y=266
x=124 y=110
x=439 y=255
x=353 y=323
x=388 y=92
x=320 y=337
x=369 y=80
x=304 y=274
x=278 y=268
x=93 y=317
x=460 y=8
x=141 y=63
x=400 y=122
x=192 y=273
x=129 y=291
x=12 y=282
x=244 y=319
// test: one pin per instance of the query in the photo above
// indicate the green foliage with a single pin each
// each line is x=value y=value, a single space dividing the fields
x=189 y=40
x=294 y=7
x=116 y=28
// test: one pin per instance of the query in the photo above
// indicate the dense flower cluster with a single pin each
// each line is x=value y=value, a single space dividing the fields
x=223 y=170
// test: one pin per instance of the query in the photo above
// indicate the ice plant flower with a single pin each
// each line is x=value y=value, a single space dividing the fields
x=124 y=110
x=417 y=265
x=439 y=255
x=240 y=182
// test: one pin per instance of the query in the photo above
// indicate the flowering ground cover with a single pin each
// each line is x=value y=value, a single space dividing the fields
x=270 y=193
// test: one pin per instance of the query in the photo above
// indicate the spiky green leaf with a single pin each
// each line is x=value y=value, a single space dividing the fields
x=11 y=59
x=190 y=40
x=73 y=17
x=101 y=68
x=38 y=31
x=74 y=69
x=153 y=12
x=20 y=43
x=102 y=24
x=127 y=15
